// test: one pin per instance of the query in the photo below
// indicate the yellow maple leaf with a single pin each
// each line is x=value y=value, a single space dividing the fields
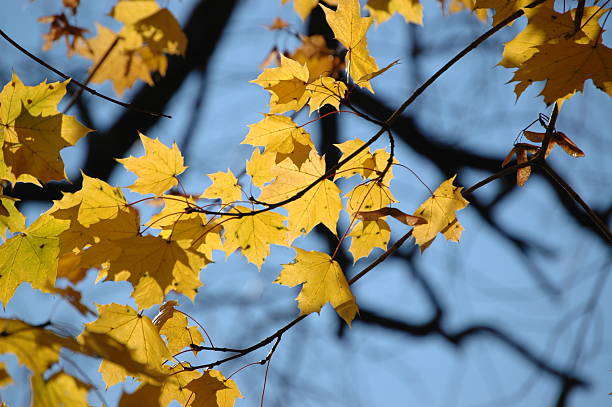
x=34 y=132
x=174 y=326
x=137 y=332
x=565 y=66
x=303 y=7
x=61 y=389
x=382 y=10
x=175 y=385
x=156 y=26
x=35 y=347
x=175 y=208
x=369 y=197
x=279 y=134
x=259 y=167
x=96 y=200
x=10 y=217
x=224 y=186
x=368 y=235
x=325 y=91
x=213 y=390
x=123 y=65
x=157 y=170
x=286 y=84
x=323 y=281
x=547 y=25
x=156 y=266
x=144 y=395
x=254 y=234
x=362 y=164
x=439 y=210
x=350 y=29
x=503 y=8
x=321 y=204
x=319 y=59
x=31 y=257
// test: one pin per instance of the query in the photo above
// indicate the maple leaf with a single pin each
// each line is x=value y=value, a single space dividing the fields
x=259 y=167
x=224 y=186
x=382 y=10
x=286 y=84
x=565 y=65
x=143 y=396
x=253 y=234
x=321 y=204
x=155 y=26
x=137 y=332
x=503 y=8
x=10 y=217
x=155 y=266
x=557 y=138
x=157 y=170
x=278 y=134
x=547 y=25
x=439 y=210
x=122 y=65
x=323 y=281
x=403 y=217
x=213 y=390
x=319 y=59
x=303 y=7
x=362 y=164
x=369 y=197
x=325 y=91
x=96 y=201
x=34 y=131
x=521 y=150
x=350 y=29
x=197 y=233
x=34 y=346
x=61 y=389
x=175 y=385
x=60 y=27
x=31 y=257
x=174 y=326
x=368 y=235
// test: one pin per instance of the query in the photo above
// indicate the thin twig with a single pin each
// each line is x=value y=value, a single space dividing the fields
x=74 y=81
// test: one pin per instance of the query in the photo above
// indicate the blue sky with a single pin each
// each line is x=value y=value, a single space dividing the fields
x=482 y=279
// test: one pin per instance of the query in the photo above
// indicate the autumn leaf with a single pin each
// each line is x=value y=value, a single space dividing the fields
x=34 y=132
x=174 y=326
x=370 y=196
x=60 y=27
x=286 y=84
x=10 y=217
x=325 y=91
x=362 y=164
x=303 y=7
x=137 y=332
x=323 y=281
x=175 y=385
x=213 y=390
x=146 y=394
x=155 y=266
x=382 y=10
x=122 y=65
x=565 y=65
x=368 y=235
x=157 y=170
x=321 y=204
x=259 y=167
x=253 y=234
x=31 y=257
x=439 y=210
x=35 y=347
x=545 y=25
x=350 y=29
x=224 y=186
x=277 y=134
x=319 y=59
x=403 y=217
x=61 y=389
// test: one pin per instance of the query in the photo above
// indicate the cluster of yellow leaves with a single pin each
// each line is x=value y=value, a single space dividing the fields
x=138 y=49
x=550 y=49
